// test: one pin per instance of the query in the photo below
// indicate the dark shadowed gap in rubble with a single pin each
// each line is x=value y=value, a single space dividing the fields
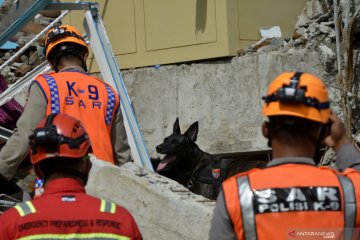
x=243 y=161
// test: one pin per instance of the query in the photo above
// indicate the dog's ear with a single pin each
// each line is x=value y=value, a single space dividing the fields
x=192 y=131
x=176 y=128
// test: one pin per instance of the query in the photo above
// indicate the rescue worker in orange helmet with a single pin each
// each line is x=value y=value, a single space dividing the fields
x=292 y=195
x=72 y=91
x=59 y=153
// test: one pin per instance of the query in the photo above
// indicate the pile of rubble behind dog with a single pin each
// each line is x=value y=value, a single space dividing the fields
x=32 y=56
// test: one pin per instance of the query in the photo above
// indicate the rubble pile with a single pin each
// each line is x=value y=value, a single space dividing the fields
x=5 y=8
x=33 y=56
x=314 y=28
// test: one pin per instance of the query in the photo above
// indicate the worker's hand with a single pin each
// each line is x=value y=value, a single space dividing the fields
x=337 y=137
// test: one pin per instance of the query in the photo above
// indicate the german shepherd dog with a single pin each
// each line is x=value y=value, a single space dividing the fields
x=200 y=172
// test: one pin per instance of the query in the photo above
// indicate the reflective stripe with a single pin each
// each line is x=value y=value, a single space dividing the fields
x=76 y=236
x=110 y=105
x=25 y=208
x=349 y=205
x=107 y=207
x=54 y=94
x=247 y=208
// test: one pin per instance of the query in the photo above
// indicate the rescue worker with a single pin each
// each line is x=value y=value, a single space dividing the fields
x=69 y=90
x=292 y=195
x=59 y=154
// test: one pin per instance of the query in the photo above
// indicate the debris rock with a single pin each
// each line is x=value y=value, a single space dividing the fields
x=44 y=21
x=24 y=59
x=50 y=13
x=34 y=59
x=297 y=34
x=261 y=43
x=16 y=65
x=323 y=28
x=32 y=27
x=5 y=70
x=22 y=70
x=7 y=55
x=313 y=9
x=274 y=44
x=326 y=52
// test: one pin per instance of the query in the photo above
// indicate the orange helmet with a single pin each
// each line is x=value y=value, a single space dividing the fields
x=63 y=34
x=58 y=135
x=297 y=94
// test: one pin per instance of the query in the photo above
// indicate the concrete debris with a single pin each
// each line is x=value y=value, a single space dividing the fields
x=16 y=65
x=329 y=158
x=168 y=210
x=24 y=59
x=314 y=27
x=312 y=10
x=50 y=13
x=274 y=45
x=30 y=58
x=5 y=8
x=33 y=27
x=261 y=43
x=297 y=34
x=35 y=58
x=6 y=70
x=22 y=70
x=326 y=52
x=273 y=32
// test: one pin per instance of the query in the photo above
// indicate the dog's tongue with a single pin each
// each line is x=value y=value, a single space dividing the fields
x=165 y=161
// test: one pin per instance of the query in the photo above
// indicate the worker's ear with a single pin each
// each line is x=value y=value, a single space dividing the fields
x=265 y=129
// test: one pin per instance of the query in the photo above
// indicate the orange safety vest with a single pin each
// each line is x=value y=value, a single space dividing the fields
x=86 y=98
x=293 y=201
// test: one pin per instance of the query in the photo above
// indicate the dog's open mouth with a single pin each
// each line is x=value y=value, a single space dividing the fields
x=165 y=162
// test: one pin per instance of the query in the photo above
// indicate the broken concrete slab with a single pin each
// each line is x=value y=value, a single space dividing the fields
x=163 y=209
x=312 y=10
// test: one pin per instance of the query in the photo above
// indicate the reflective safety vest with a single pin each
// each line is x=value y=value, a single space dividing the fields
x=293 y=200
x=27 y=208
x=86 y=98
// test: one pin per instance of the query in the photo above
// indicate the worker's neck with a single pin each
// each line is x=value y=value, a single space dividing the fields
x=55 y=176
x=280 y=150
x=70 y=63
x=63 y=68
